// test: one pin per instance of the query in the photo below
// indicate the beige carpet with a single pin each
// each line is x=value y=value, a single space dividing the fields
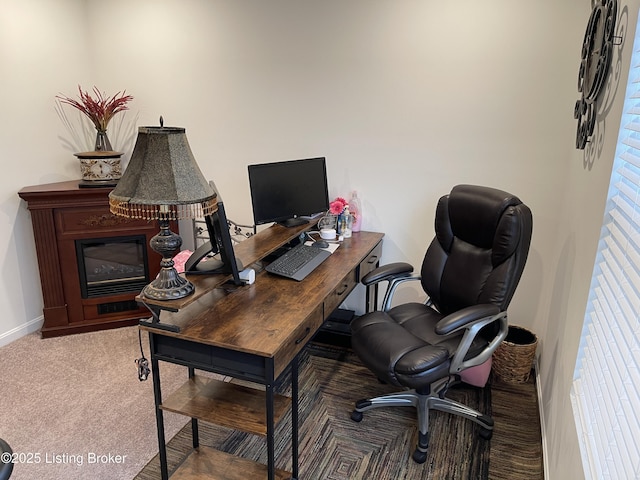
x=71 y=405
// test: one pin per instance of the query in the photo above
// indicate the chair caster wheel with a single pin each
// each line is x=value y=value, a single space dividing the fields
x=485 y=433
x=419 y=456
x=356 y=416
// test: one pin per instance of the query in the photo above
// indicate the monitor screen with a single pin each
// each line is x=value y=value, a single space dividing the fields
x=285 y=191
x=216 y=255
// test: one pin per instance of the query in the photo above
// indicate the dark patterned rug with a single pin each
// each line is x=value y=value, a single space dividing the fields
x=332 y=446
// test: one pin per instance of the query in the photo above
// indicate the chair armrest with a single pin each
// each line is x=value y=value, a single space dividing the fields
x=394 y=273
x=472 y=320
x=387 y=273
x=464 y=317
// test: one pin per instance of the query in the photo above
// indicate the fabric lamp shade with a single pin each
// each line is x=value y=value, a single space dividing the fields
x=162 y=180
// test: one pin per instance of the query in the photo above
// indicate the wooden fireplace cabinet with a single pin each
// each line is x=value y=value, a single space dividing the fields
x=61 y=214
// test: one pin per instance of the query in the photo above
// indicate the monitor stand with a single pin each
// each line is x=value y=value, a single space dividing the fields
x=210 y=266
x=293 y=222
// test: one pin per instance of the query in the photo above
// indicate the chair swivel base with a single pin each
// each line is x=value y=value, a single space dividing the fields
x=423 y=403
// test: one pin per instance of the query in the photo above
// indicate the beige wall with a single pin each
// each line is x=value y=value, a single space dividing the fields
x=42 y=51
x=404 y=98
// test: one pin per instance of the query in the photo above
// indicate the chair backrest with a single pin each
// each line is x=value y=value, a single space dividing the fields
x=480 y=248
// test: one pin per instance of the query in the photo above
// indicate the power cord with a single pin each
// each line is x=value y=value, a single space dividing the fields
x=309 y=236
x=143 y=363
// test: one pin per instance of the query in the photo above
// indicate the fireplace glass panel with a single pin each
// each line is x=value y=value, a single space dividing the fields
x=109 y=266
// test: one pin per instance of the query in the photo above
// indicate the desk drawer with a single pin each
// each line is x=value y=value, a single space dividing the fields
x=305 y=332
x=209 y=358
x=371 y=262
x=341 y=292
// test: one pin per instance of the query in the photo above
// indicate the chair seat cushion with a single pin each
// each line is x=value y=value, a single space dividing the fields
x=401 y=347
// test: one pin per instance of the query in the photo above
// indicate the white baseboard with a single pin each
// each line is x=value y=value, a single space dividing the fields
x=545 y=457
x=20 y=331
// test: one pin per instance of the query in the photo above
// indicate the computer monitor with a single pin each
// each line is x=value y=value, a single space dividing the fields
x=283 y=192
x=216 y=255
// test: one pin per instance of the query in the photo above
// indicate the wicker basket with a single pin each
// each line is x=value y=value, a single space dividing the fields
x=513 y=359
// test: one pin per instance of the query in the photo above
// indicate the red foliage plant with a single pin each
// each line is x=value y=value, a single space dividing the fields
x=101 y=109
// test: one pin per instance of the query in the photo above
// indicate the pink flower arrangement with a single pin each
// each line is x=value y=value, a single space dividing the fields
x=337 y=206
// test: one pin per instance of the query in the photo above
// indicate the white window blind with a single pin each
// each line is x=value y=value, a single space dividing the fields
x=606 y=387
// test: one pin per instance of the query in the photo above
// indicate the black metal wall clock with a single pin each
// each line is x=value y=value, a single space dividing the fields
x=595 y=64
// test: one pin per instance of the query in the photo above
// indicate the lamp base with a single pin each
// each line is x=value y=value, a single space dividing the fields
x=168 y=285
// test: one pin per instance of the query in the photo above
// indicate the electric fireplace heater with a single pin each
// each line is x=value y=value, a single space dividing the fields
x=109 y=266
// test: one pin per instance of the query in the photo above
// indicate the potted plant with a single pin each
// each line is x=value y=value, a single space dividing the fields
x=103 y=164
x=100 y=110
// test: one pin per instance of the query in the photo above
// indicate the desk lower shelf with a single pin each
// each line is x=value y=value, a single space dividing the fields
x=222 y=466
x=225 y=404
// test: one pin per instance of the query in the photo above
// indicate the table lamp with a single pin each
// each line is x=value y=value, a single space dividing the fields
x=163 y=182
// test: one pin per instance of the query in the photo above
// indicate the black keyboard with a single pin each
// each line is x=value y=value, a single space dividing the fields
x=298 y=262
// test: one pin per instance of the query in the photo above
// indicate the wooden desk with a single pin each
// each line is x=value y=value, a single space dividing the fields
x=252 y=333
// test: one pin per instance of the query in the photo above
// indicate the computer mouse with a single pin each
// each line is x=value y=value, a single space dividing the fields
x=320 y=244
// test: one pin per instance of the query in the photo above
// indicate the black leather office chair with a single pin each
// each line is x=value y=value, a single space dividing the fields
x=470 y=273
